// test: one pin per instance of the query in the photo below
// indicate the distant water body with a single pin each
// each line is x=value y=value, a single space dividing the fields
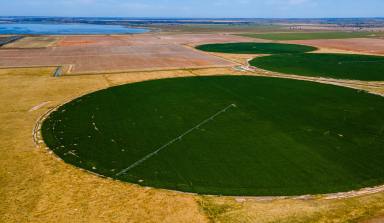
x=66 y=29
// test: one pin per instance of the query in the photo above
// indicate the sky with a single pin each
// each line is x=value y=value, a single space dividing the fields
x=195 y=8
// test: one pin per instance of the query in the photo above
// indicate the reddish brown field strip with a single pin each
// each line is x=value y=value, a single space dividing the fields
x=88 y=54
x=358 y=45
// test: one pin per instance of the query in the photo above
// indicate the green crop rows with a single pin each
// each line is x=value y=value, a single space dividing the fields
x=284 y=137
x=255 y=48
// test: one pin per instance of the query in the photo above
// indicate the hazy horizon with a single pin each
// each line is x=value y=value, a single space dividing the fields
x=195 y=8
x=185 y=18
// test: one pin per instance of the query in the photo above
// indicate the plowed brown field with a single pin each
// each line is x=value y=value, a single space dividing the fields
x=87 y=54
x=358 y=45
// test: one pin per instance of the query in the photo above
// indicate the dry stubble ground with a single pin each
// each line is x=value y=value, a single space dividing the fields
x=36 y=187
x=34 y=42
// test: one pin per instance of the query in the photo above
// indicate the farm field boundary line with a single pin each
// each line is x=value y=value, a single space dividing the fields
x=211 y=54
x=23 y=48
x=341 y=51
x=34 y=42
x=37 y=66
x=355 y=84
x=147 y=70
x=38 y=138
x=62 y=56
x=67 y=69
x=323 y=80
x=9 y=40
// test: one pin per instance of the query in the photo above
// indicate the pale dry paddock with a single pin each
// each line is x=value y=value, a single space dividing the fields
x=34 y=42
x=37 y=187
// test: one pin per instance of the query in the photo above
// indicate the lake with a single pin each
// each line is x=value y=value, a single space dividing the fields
x=66 y=29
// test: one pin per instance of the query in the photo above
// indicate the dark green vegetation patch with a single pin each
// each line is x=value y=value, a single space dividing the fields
x=314 y=35
x=284 y=137
x=255 y=48
x=340 y=66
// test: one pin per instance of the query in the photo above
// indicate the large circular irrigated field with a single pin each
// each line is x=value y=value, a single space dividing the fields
x=340 y=66
x=296 y=59
x=230 y=135
x=255 y=48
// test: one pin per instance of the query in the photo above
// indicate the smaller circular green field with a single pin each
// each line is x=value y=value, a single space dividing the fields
x=256 y=48
x=339 y=66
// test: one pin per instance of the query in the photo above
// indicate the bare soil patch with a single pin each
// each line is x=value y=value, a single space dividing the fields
x=375 y=220
x=357 y=45
x=142 y=39
x=97 y=54
x=198 y=39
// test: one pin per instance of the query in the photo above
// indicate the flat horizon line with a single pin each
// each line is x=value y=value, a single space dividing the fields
x=188 y=18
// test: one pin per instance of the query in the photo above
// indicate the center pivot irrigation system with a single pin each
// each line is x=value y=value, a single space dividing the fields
x=179 y=138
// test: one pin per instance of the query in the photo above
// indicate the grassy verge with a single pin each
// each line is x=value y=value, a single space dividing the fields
x=34 y=42
x=353 y=210
x=43 y=71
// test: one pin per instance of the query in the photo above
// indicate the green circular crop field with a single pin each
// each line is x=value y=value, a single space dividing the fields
x=229 y=135
x=340 y=66
x=255 y=48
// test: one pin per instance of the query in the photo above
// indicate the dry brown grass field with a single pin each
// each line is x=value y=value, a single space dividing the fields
x=35 y=186
x=34 y=42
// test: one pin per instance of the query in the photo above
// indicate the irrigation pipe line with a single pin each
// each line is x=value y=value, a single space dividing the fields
x=179 y=138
